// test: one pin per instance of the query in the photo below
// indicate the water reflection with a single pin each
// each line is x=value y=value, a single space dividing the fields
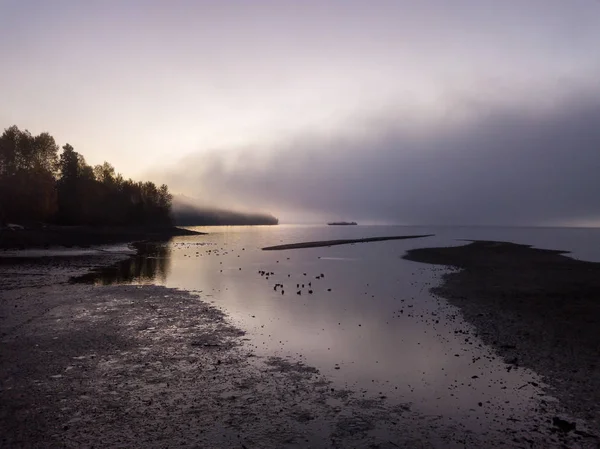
x=151 y=264
x=370 y=325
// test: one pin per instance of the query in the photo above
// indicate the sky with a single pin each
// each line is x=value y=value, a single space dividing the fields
x=430 y=112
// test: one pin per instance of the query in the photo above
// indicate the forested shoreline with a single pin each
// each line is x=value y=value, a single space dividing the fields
x=40 y=184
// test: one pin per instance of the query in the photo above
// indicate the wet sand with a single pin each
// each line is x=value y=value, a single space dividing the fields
x=341 y=242
x=539 y=308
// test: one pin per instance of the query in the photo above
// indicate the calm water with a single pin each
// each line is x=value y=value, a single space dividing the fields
x=370 y=323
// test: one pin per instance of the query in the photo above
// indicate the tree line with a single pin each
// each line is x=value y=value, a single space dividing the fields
x=41 y=184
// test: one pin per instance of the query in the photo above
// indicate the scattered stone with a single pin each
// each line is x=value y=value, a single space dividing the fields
x=563 y=425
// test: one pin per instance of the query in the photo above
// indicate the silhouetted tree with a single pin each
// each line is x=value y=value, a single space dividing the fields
x=27 y=170
x=105 y=174
x=38 y=184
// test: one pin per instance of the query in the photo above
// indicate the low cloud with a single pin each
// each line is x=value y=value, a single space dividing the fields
x=496 y=166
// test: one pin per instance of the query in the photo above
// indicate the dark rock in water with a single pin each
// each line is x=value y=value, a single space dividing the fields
x=563 y=425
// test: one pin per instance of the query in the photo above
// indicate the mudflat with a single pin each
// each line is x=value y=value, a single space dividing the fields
x=341 y=242
x=539 y=308
x=88 y=365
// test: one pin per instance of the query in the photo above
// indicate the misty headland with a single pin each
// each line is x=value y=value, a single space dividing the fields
x=187 y=212
x=50 y=197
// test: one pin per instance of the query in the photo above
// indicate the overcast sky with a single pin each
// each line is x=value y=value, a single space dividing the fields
x=429 y=111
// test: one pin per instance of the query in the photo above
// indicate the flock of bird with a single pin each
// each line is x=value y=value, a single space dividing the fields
x=299 y=286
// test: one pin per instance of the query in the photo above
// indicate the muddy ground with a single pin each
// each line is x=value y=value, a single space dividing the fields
x=147 y=366
x=341 y=242
x=538 y=308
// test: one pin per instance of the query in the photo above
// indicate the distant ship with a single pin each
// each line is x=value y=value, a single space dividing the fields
x=342 y=223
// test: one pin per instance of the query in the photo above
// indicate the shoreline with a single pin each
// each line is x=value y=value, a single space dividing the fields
x=538 y=308
x=321 y=243
x=150 y=366
x=86 y=236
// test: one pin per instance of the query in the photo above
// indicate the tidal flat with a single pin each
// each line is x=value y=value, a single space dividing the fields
x=205 y=342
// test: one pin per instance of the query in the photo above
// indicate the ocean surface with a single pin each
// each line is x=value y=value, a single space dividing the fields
x=370 y=323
